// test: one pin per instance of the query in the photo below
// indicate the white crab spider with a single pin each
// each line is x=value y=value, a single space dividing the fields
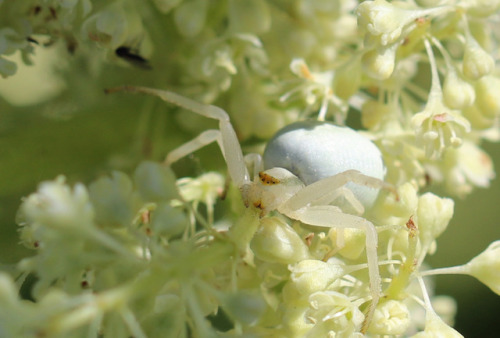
x=308 y=198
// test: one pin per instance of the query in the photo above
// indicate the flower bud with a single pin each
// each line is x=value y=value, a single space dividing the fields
x=445 y=307
x=481 y=8
x=382 y=19
x=487 y=98
x=401 y=207
x=476 y=62
x=112 y=199
x=251 y=17
x=190 y=17
x=243 y=306
x=354 y=242
x=435 y=327
x=385 y=22
x=251 y=113
x=310 y=276
x=379 y=63
x=457 y=93
x=10 y=41
x=476 y=117
x=8 y=291
x=7 y=67
x=277 y=242
x=473 y=165
x=433 y=215
x=155 y=182
x=114 y=26
x=168 y=221
x=486 y=267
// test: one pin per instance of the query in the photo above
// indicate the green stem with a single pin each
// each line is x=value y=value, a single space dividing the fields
x=401 y=281
x=453 y=270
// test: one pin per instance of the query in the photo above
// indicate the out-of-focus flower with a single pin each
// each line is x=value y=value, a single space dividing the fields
x=435 y=327
x=487 y=99
x=477 y=62
x=333 y=313
x=461 y=169
x=379 y=63
x=457 y=93
x=10 y=42
x=317 y=89
x=57 y=205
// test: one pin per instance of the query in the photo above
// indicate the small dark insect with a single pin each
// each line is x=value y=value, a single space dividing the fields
x=53 y=13
x=37 y=10
x=44 y=43
x=32 y=40
x=132 y=57
x=71 y=44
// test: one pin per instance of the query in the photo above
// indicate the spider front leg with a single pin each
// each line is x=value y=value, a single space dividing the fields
x=330 y=216
x=200 y=141
x=225 y=137
x=254 y=162
x=303 y=206
x=325 y=190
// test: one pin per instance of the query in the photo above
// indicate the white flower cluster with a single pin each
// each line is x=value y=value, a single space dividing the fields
x=140 y=257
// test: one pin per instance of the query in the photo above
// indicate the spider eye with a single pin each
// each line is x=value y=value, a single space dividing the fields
x=268 y=179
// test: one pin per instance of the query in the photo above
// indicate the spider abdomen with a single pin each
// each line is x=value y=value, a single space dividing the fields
x=313 y=150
